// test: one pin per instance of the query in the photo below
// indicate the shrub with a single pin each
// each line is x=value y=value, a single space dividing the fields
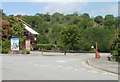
x=27 y=51
x=45 y=46
x=115 y=47
x=92 y=51
x=5 y=46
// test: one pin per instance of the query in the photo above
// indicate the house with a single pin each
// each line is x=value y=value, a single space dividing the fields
x=31 y=35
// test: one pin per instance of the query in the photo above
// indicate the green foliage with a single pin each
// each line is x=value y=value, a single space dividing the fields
x=98 y=19
x=45 y=46
x=69 y=37
x=12 y=28
x=72 y=31
x=54 y=33
x=115 y=46
x=85 y=21
x=43 y=39
x=109 y=20
x=99 y=35
x=5 y=46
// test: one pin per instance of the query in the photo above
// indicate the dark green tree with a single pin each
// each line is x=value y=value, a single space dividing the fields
x=54 y=34
x=110 y=21
x=98 y=19
x=69 y=37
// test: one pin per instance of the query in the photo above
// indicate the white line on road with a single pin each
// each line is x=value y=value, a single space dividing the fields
x=93 y=71
x=36 y=64
x=61 y=61
x=69 y=68
x=45 y=65
x=105 y=73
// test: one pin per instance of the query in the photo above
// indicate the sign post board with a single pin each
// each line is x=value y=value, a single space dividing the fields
x=15 y=43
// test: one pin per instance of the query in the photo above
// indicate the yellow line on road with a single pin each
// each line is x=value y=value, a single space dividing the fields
x=100 y=70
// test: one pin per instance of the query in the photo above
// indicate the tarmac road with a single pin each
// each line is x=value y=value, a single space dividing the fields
x=38 y=67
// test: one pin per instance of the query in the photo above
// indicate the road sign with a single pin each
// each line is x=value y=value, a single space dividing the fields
x=15 y=43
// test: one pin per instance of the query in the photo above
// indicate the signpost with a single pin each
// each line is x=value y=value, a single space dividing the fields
x=97 y=55
x=15 y=42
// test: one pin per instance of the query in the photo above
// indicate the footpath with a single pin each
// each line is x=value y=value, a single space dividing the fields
x=104 y=64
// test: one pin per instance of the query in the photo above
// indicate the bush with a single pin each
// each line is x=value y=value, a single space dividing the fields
x=5 y=46
x=115 y=48
x=92 y=51
x=27 y=51
x=59 y=45
x=45 y=46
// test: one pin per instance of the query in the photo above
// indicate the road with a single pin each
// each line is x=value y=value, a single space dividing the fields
x=38 y=67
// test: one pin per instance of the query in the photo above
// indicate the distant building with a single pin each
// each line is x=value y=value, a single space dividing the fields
x=31 y=36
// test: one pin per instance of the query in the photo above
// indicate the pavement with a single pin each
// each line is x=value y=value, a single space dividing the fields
x=103 y=64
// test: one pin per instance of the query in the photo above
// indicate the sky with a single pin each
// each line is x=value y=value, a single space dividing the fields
x=31 y=8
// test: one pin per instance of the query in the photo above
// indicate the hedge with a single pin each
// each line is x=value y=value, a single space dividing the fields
x=45 y=46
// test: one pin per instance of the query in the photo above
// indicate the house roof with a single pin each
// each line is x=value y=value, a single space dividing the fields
x=27 y=26
x=30 y=29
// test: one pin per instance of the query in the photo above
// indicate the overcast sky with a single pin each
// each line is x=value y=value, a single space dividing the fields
x=33 y=7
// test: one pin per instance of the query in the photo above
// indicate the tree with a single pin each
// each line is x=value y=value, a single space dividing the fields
x=5 y=36
x=115 y=45
x=91 y=23
x=99 y=35
x=54 y=33
x=50 y=28
x=85 y=15
x=43 y=39
x=98 y=19
x=56 y=18
x=69 y=37
x=47 y=17
x=84 y=21
x=10 y=27
x=110 y=21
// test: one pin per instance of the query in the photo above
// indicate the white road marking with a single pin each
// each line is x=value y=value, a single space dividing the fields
x=36 y=64
x=45 y=65
x=105 y=73
x=93 y=71
x=61 y=61
x=68 y=68
x=88 y=71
